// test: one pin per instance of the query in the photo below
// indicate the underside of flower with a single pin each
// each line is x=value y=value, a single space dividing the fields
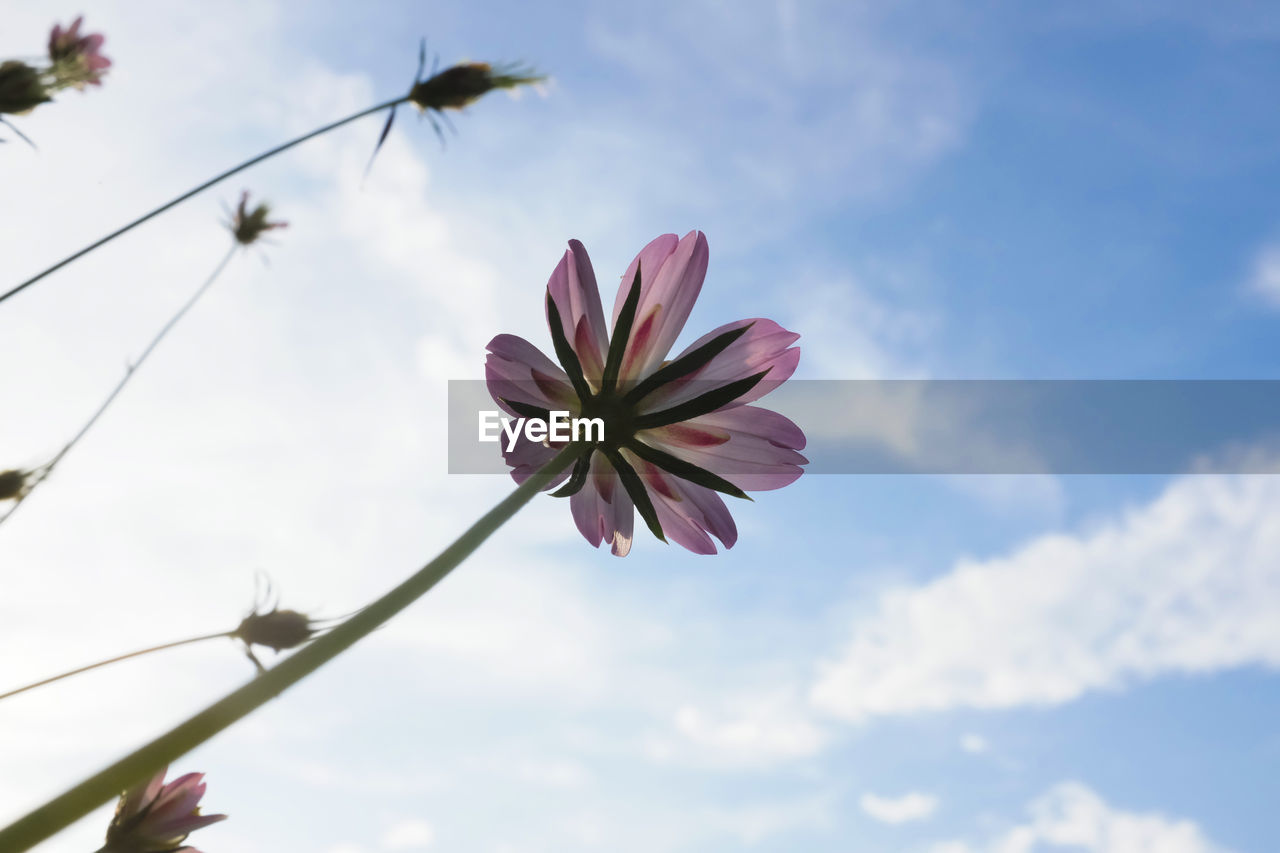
x=153 y=817
x=676 y=433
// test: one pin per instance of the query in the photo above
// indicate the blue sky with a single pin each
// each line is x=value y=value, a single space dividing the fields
x=915 y=664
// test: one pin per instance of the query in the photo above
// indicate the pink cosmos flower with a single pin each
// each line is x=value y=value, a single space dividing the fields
x=77 y=59
x=156 y=818
x=676 y=432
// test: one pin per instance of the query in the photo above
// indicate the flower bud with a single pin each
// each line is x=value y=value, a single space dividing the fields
x=21 y=90
x=77 y=60
x=463 y=84
x=276 y=629
x=248 y=225
x=12 y=484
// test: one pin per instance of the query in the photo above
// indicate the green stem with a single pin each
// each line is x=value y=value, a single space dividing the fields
x=201 y=188
x=117 y=659
x=77 y=802
x=45 y=470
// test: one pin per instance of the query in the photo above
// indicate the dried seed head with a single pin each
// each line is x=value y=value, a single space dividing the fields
x=12 y=484
x=463 y=84
x=21 y=89
x=276 y=629
x=248 y=225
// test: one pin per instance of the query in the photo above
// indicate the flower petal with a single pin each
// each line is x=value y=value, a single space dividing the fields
x=687 y=511
x=527 y=456
x=516 y=370
x=602 y=509
x=577 y=296
x=753 y=448
x=763 y=346
x=671 y=275
x=180 y=797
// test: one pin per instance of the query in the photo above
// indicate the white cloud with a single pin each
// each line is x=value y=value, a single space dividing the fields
x=755 y=822
x=751 y=731
x=974 y=744
x=1264 y=278
x=1071 y=817
x=409 y=834
x=556 y=774
x=1188 y=583
x=909 y=807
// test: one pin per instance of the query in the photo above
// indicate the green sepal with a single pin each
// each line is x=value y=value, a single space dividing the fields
x=685 y=470
x=703 y=404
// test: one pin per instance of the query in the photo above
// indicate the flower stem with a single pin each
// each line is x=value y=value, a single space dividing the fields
x=45 y=470
x=77 y=802
x=201 y=188
x=117 y=659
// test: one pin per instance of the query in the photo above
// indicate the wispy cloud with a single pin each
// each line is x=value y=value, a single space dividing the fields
x=906 y=808
x=1187 y=583
x=409 y=834
x=1070 y=816
x=1264 y=276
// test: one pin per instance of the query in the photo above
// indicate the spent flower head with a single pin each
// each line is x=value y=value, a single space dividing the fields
x=76 y=59
x=248 y=225
x=153 y=817
x=676 y=433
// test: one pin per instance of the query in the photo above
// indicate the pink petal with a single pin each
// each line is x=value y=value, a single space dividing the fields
x=574 y=290
x=765 y=346
x=516 y=370
x=180 y=797
x=667 y=294
x=180 y=826
x=687 y=511
x=141 y=795
x=650 y=258
x=753 y=448
x=530 y=456
x=602 y=509
x=155 y=784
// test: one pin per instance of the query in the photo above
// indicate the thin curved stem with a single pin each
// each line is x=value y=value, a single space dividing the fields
x=253 y=161
x=117 y=659
x=45 y=470
x=77 y=802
